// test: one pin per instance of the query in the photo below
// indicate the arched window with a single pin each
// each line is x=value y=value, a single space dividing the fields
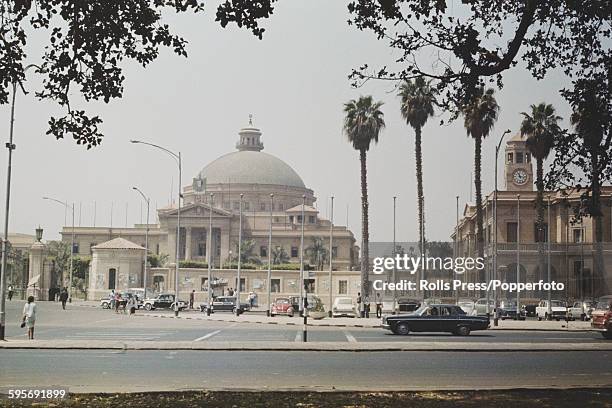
x=112 y=278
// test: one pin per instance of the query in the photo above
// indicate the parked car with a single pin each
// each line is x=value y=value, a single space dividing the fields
x=282 y=306
x=407 y=305
x=468 y=306
x=507 y=310
x=602 y=320
x=224 y=304
x=344 y=306
x=163 y=301
x=579 y=311
x=435 y=318
x=481 y=306
x=558 y=310
x=105 y=301
x=530 y=310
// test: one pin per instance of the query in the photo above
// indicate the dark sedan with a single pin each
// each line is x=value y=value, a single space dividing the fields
x=436 y=318
x=224 y=304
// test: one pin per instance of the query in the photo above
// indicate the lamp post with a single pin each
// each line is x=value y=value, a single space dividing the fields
x=331 y=255
x=3 y=266
x=518 y=253
x=495 y=275
x=68 y=207
x=302 y=283
x=146 y=265
x=177 y=157
x=239 y=258
x=209 y=251
x=394 y=253
x=456 y=239
x=270 y=255
x=548 y=259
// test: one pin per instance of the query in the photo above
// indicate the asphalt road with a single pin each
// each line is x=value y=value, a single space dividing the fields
x=97 y=371
x=86 y=323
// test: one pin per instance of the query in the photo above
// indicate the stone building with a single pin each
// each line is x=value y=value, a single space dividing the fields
x=271 y=193
x=572 y=240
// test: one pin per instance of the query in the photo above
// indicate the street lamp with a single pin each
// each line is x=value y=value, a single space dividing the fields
x=209 y=250
x=331 y=255
x=10 y=146
x=177 y=157
x=68 y=207
x=146 y=268
x=239 y=257
x=495 y=295
x=270 y=255
x=304 y=300
x=518 y=255
x=548 y=258
x=393 y=253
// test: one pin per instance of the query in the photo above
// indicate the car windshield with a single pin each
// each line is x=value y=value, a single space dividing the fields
x=465 y=303
x=284 y=301
x=557 y=303
x=345 y=301
x=602 y=306
x=421 y=310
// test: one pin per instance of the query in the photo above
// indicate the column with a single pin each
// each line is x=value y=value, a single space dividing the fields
x=188 y=243
x=171 y=244
x=210 y=254
x=225 y=246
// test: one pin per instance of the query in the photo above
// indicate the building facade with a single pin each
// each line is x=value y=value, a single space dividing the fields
x=567 y=240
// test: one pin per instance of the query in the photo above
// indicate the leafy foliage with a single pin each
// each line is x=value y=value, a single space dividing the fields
x=247 y=253
x=88 y=42
x=158 y=260
x=317 y=253
x=279 y=256
x=193 y=264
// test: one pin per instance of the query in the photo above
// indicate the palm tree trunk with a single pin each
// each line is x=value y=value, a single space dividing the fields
x=540 y=220
x=365 y=236
x=598 y=274
x=479 y=216
x=419 y=175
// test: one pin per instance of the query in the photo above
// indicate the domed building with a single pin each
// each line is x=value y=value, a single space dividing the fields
x=271 y=192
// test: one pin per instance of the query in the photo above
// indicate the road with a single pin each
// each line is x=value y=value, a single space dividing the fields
x=97 y=371
x=86 y=323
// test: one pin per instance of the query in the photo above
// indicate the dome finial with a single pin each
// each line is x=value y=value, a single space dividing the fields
x=250 y=119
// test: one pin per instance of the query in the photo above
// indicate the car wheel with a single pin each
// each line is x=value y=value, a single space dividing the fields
x=539 y=318
x=148 y=306
x=272 y=315
x=402 y=329
x=463 y=331
x=105 y=305
x=503 y=318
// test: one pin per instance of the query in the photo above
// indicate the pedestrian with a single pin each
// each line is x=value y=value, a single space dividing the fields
x=117 y=301
x=366 y=306
x=251 y=299
x=359 y=310
x=29 y=317
x=10 y=292
x=230 y=292
x=111 y=297
x=378 y=305
x=132 y=305
x=191 y=299
x=63 y=298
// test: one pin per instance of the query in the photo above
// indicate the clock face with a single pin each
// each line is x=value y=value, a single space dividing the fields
x=519 y=177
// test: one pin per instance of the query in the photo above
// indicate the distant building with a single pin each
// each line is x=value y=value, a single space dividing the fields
x=572 y=244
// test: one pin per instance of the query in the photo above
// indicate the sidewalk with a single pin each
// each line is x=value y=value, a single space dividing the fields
x=454 y=346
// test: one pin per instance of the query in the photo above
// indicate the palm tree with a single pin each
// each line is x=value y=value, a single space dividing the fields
x=317 y=253
x=247 y=253
x=480 y=114
x=362 y=125
x=279 y=256
x=541 y=129
x=418 y=100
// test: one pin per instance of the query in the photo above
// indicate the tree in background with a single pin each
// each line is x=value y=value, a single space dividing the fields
x=362 y=125
x=59 y=255
x=317 y=253
x=417 y=106
x=247 y=253
x=279 y=256
x=480 y=114
x=541 y=128
x=158 y=260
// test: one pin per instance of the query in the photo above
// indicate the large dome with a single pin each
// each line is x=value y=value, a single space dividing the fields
x=250 y=167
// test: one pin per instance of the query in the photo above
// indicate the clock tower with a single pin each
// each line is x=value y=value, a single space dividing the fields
x=518 y=169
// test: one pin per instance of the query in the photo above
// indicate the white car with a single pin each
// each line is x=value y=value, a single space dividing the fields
x=481 y=307
x=558 y=310
x=468 y=306
x=344 y=306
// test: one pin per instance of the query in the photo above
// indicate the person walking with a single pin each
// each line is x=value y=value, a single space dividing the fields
x=132 y=305
x=366 y=306
x=63 y=298
x=191 y=299
x=10 y=292
x=111 y=297
x=117 y=301
x=230 y=292
x=378 y=305
x=29 y=317
x=359 y=309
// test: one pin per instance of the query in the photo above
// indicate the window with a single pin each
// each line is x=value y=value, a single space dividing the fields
x=275 y=285
x=519 y=157
x=343 y=287
x=311 y=219
x=540 y=235
x=202 y=249
x=511 y=232
x=204 y=284
x=527 y=157
x=577 y=234
x=299 y=219
x=262 y=206
x=112 y=278
x=75 y=248
x=294 y=252
x=263 y=251
x=242 y=284
x=334 y=252
x=510 y=157
x=281 y=207
x=247 y=206
x=158 y=283
x=237 y=205
x=291 y=219
x=310 y=285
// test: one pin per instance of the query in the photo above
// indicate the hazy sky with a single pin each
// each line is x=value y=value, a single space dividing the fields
x=294 y=82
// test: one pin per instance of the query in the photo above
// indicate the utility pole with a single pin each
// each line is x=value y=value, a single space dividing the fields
x=270 y=256
x=518 y=252
x=331 y=255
